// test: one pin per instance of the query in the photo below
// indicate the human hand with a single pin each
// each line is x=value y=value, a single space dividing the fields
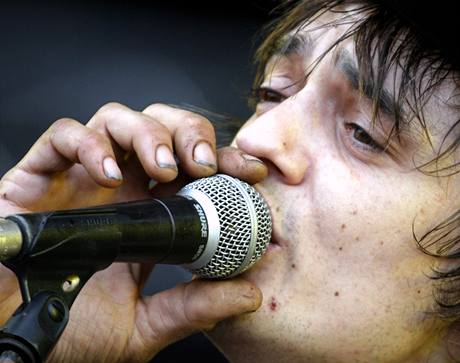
x=112 y=159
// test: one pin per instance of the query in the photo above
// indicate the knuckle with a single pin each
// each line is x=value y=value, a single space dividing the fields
x=150 y=126
x=62 y=123
x=92 y=140
x=195 y=121
x=61 y=127
x=109 y=109
x=154 y=108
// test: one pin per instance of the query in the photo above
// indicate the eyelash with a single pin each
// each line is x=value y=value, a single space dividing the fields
x=367 y=143
x=264 y=94
x=361 y=137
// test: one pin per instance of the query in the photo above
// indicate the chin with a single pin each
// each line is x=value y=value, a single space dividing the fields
x=235 y=338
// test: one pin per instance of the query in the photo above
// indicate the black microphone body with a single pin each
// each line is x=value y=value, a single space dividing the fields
x=216 y=227
x=172 y=231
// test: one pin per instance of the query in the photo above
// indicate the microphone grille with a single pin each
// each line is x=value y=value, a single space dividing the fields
x=244 y=221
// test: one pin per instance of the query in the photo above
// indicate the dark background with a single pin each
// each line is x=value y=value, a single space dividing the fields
x=67 y=59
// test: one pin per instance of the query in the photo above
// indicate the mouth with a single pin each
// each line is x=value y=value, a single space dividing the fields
x=274 y=243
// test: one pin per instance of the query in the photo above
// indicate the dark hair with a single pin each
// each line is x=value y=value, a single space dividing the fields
x=394 y=33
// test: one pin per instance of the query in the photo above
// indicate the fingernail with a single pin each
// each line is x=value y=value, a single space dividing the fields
x=203 y=155
x=250 y=294
x=251 y=158
x=111 y=169
x=165 y=158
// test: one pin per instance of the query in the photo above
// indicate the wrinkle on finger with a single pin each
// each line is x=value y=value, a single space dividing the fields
x=234 y=162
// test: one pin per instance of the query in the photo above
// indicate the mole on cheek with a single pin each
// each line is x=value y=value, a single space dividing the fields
x=336 y=293
x=273 y=304
x=343 y=226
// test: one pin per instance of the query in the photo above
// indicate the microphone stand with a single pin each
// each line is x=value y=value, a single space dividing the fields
x=50 y=278
x=54 y=254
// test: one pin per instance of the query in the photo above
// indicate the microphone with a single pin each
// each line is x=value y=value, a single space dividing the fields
x=216 y=227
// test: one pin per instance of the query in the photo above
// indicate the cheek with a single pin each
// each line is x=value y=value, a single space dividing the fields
x=354 y=244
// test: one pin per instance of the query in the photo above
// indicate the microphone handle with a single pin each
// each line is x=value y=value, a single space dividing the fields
x=172 y=231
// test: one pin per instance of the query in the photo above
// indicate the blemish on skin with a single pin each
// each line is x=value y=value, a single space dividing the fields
x=381 y=243
x=343 y=226
x=273 y=304
x=355 y=212
x=418 y=291
x=293 y=265
x=4 y=195
x=277 y=209
x=284 y=144
x=336 y=293
x=357 y=239
x=340 y=248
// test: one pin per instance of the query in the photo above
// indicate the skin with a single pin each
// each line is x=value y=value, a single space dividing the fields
x=110 y=321
x=342 y=281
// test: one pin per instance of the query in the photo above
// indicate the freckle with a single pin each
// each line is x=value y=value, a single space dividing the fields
x=273 y=304
x=418 y=291
x=381 y=242
x=293 y=265
x=355 y=212
x=343 y=226
x=336 y=293
x=357 y=239
x=277 y=209
x=284 y=144
x=340 y=248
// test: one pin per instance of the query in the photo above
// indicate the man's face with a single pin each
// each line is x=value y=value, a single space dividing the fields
x=344 y=280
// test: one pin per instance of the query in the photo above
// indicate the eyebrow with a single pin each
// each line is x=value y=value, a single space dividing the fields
x=366 y=85
x=301 y=43
x=292 y=45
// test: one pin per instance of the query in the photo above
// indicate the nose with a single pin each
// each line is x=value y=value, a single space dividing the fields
x=275 y=136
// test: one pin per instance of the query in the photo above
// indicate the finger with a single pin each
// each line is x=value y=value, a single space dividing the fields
x=135 y=131
x=194 y=138
x=246 y=167
x=67 y=142
x=197 y=305
x=141 y=273
x=10 y=297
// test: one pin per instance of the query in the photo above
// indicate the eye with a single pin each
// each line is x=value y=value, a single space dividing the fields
x=361 y=138
x=264 y=94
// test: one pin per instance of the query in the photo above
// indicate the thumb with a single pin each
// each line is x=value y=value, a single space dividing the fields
x=198 y=305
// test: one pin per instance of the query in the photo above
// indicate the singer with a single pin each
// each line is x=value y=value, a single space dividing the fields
x=353 y=144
